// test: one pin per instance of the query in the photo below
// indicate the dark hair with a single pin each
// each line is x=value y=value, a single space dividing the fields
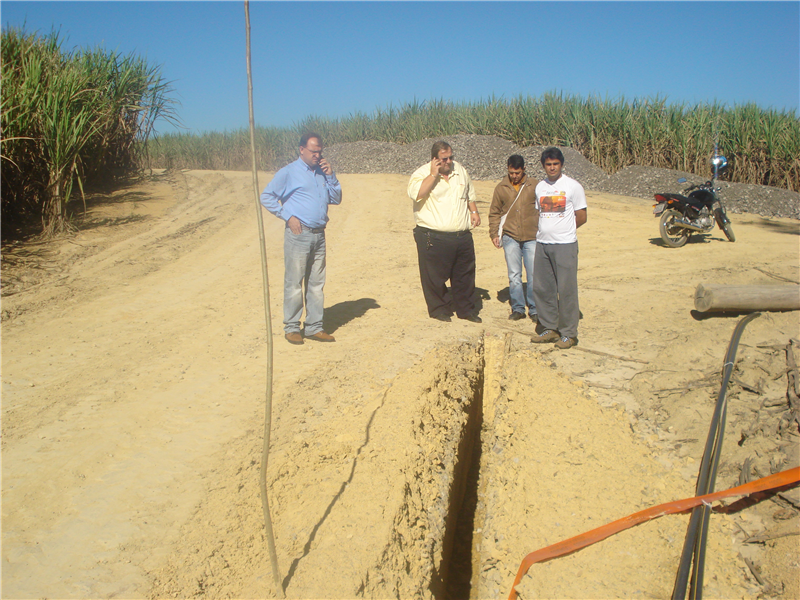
x=515 y=161
x=438 y=147
x=553 y=152
x=308 y=136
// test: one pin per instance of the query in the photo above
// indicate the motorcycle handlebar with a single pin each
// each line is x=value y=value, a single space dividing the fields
x=707 y=184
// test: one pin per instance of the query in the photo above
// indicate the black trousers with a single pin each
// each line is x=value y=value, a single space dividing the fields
x=442 y=256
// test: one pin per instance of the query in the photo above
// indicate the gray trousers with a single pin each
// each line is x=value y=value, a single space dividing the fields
x=555 y=287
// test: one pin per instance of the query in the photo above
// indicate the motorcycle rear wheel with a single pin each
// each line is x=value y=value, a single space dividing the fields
x=728 y=231
x=673 y=236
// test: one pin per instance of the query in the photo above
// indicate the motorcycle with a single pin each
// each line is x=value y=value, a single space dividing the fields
x=696 y=212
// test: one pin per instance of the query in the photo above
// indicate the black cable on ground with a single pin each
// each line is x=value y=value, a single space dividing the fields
x=273 y=555
x=694 y=546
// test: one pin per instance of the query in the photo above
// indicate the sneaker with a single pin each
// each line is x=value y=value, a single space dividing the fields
x=516 y=316
x=548 y=335
x=534 y=317
x=566 y=342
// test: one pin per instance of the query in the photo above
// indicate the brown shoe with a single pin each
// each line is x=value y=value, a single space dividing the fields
x=321 y=336
x=566 y=342
x=548 y=335
x=294 y=338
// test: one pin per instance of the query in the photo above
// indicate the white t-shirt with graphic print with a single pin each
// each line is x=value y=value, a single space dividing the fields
x=557 y=203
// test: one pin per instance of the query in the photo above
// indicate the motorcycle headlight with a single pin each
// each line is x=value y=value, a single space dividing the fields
x=719 y=163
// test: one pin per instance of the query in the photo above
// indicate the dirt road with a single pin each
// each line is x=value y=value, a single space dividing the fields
x=133 y=371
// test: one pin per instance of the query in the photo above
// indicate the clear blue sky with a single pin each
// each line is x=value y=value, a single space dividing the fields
x=336 y=58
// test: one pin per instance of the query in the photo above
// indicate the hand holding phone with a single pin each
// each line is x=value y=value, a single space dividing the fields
x=435 y=164
x=325 y=166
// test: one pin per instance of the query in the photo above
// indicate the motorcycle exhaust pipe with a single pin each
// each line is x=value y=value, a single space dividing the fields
x=687 y=225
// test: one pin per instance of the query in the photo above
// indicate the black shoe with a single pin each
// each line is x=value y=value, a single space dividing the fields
x=442 y=318
x=472 y=318
x=534 y=317
x=516 y=316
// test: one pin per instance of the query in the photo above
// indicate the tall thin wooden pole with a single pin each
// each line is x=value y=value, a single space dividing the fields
x=273 y=555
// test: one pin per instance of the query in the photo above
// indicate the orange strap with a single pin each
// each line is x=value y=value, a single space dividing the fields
x=784 y=478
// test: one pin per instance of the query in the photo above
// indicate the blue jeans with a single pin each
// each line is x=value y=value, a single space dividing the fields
x=518 y=253
x=304 y=265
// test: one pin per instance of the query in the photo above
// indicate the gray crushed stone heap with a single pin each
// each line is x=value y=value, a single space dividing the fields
x=485 y=157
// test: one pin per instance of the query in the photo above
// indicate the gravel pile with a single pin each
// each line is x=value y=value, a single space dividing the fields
x=485 y=158
x=643 y=182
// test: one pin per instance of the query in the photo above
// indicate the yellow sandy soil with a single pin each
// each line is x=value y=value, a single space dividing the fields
x=133 y=369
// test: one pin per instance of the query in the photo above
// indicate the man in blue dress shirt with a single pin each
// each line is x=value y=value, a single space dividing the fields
x=300 y=194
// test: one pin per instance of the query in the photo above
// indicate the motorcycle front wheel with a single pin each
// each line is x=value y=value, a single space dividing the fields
x=673 y=236
x=728 y=231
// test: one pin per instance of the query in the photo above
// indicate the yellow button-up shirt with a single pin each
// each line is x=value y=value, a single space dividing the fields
x=446 y=208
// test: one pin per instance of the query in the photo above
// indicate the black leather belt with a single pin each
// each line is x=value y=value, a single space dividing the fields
x=313 y=229
x=434 y=232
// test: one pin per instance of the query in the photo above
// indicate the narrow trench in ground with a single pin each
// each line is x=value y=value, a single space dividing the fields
x=458 y=537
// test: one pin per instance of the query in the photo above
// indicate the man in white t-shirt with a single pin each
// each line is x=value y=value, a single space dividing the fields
x=562 y=209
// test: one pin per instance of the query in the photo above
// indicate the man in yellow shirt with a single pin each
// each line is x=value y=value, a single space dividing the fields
x=444 y=212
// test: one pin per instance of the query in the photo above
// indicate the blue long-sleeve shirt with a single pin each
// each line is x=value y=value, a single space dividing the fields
x=298 y=190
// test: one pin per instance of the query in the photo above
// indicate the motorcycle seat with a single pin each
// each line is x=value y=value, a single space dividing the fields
x=696 y=200
x=668 y=196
